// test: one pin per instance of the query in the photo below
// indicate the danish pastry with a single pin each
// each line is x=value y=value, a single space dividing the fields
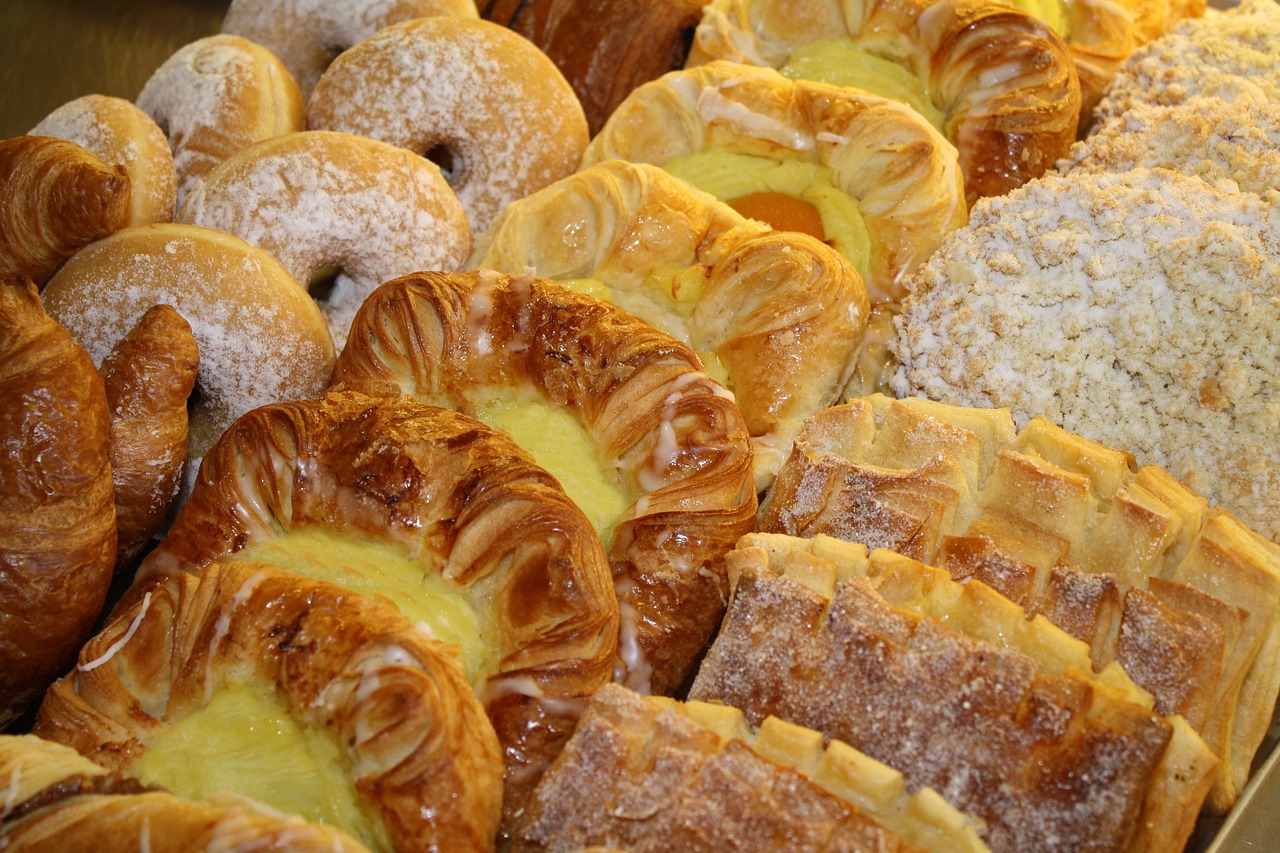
x=623 y=415
x=57 y=521
x=365 y=721
x=777 y=315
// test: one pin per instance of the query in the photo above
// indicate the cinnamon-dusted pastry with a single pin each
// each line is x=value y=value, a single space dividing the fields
x=436 y=512
x=885 y=184
x=217 y=95
x=998 y=81
x=1125 y=559
x=338 y=208
x=605 y=49
x=954 y=687
x=120 y=134
x=475 y=95
x=308 y=34
x=261 y=337
x=57 y=522
x=55 y=197
x=53 y=798
x=623 y=415
x=149 y=375
x=694 y=776
x=776 y=316
x=295 y=693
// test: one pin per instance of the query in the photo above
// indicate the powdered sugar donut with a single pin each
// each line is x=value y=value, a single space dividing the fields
x=489 y=101
x=308 y=34
x=120 y=134
x=218 y=95
x=319 y=200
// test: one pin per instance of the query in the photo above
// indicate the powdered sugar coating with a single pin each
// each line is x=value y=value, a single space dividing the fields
x=497 y=103
x=1136 y=309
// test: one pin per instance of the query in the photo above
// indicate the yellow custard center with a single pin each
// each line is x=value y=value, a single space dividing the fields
x=559 y=444
x=245 y=741
x=378 y=569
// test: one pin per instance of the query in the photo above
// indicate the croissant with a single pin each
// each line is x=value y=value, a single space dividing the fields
x=293 y=692
x=650 y=446
x=57 y=522
x=56 y=799
x=55 y=197
x=148 y=376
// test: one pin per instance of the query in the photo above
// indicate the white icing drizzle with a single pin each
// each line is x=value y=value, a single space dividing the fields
x=526 y=686
x=713 y=106
x=631 y=669
x=11 y=792
x=120 y=642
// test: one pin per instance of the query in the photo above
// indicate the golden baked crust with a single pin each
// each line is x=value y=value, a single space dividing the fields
x=410 y=733
x=954 y=687
x=57 y=522
x=679 y=444
x=781 y=313
x=55 y=197
x=898 y=170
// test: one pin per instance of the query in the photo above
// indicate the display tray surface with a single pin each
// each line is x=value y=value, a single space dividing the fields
x=57 y=50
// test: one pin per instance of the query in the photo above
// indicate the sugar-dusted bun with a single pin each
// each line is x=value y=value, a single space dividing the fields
x=261 y=337
x=623 y=415
x=308 y=34
x=354 y=715
x=215 y=96
x=120 y=134
x=501 y=111
x=57 y=521
x=55 y=197
x=319 y=201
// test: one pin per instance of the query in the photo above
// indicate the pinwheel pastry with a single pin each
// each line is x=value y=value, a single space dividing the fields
x=623 y=415
x=694 y=776
x=955 y=687
x=776 y=316
x=53 y=798
x=1125 y=559
x=997 y=80
x=436 y=512
x=292 y=692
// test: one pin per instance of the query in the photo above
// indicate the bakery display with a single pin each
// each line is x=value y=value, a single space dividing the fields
x=477 y=96
x=335 y=208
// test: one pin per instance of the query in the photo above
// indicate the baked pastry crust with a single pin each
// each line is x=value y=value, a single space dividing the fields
x=57 y=519
x=676 y=438
x=424 y=760
x=782 y=313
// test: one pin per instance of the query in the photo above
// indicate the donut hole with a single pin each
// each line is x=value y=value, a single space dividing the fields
x=446 y=158
x=323 y=282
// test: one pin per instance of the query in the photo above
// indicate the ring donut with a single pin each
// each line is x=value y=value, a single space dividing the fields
x=502 y=113
x=215 y=96
x=319 y=200
x=652 y=449
x=308 y=34
x=261 y=337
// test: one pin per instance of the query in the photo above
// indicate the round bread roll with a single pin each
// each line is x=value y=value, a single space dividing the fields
x=308 y=34
x=215 y=96
x=899 y=180
x=482 y=99
x=120 y=134
x=293 y=692
x=57 y=519
x=434 y=511
x=652 y=449
x=261 y=337
x=56 y=799
x=776 y=316
x=319 y=201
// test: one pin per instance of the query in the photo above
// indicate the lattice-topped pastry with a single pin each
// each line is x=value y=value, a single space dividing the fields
x=1129 y=561
x=952 y=685
x=649 y=773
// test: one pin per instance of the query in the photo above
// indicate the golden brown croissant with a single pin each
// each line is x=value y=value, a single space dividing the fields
x=295 y=692
x=55 y=197
x=57 y=522
x=148 y=375
x=56 y=799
